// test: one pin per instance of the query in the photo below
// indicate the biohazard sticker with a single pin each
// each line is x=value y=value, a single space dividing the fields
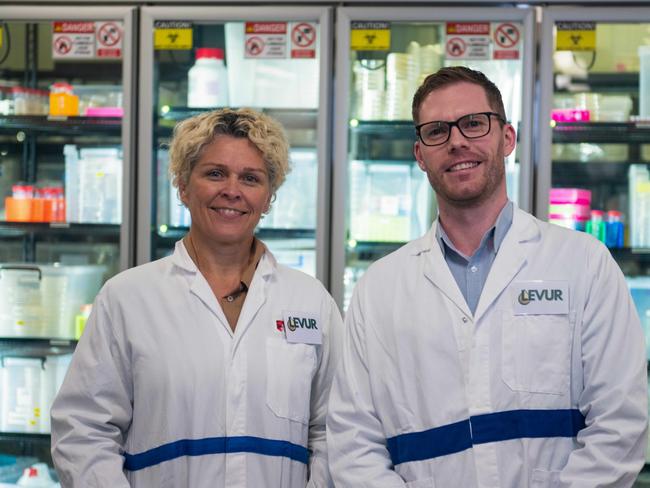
x=265 y=40
x=172 y=35
x=73 y=40
x=575 y=36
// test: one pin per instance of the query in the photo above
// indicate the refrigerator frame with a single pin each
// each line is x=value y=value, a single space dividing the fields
x=550 y=15
x=219 y=14
x=345 y=15
x=128 y=15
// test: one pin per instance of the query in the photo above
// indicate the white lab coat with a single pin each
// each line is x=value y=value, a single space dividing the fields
x=159 y=379
x=429 y=395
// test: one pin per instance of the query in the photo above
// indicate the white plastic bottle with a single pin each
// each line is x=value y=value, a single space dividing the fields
x=36 y=476
x=208 y=79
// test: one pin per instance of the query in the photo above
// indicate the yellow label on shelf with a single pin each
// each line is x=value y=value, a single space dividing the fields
x=172 y=35
x=575 y=36
x=643 y=187
x=370 y=36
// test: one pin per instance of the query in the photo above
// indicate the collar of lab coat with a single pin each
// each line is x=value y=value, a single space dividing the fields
x=255 y=298
x=509 y=260
x=181 y=258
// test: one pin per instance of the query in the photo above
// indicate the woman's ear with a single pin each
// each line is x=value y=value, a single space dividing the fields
x=182 y=194
x=269 y=201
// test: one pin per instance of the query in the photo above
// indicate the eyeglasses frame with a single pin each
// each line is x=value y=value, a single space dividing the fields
x=455 y=124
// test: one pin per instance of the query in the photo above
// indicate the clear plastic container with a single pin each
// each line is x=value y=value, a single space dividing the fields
x=20 y=401
x=93 y=184
x=639 y=205
x=19 y=95
x=43 y=300
x=20 y=301
x=208 y=79
x=295 y=205
x=52 y=374
x=644 y=81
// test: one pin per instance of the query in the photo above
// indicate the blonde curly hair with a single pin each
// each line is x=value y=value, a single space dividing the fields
x=193 y=134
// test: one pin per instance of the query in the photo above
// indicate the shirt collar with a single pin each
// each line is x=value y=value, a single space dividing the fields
x=495 y=234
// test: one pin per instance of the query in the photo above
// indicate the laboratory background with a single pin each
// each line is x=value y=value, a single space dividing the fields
x=89 y=95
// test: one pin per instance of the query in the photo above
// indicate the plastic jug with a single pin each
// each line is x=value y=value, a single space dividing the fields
x=208 y=79
x=36 y=476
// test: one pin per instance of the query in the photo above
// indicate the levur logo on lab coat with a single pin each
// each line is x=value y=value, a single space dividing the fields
x=303 y=328
x=540 y=297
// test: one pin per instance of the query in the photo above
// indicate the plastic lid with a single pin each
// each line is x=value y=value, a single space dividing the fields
x=209 y=52
x=61 y=87
x=597 y=213
x=614 y=213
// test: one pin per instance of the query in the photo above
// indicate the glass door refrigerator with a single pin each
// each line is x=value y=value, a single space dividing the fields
x=381 y=199
x=277 y=60
x=594 y=126
x=66 y=154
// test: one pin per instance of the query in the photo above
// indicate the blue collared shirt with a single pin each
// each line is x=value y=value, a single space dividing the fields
x=471 y=272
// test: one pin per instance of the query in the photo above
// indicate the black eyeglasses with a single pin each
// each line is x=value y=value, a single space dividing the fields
x=472 y=126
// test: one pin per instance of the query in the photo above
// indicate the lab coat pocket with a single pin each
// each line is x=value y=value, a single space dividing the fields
x=425 y=483
x=536 y=352
x=545 y=479
x=290 y=368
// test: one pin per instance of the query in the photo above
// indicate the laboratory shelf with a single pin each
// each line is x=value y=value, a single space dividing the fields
x=578 y=173
x=24 y=436
x=372 y=250
x=602 y=132
x=69 y=231
x=35 y=347
x=45 y=124
x=290 y=118
x=169 y=235
x=599 y=82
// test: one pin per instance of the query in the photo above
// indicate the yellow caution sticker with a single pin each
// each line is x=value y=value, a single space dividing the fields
x=370 y=36
x=172 y=34
x=575 y=36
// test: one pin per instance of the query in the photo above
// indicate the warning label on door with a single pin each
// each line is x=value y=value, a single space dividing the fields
x=507 y=40
x=109 y=39
x=467 y=40
x=172 y=35
x=303 y=40
x=575 y=36
x=73 y=40
x=265 y=40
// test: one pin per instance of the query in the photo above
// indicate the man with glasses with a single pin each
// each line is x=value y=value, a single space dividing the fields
x=495 y=351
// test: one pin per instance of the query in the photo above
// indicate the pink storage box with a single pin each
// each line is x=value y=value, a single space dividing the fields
x=104 y=112
x=570 y=195
x=570 y=115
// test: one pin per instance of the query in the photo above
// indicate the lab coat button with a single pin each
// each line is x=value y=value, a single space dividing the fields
x=465 y=319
